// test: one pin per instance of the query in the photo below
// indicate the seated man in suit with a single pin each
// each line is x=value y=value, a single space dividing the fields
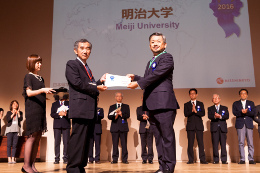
x=61 y=123
x=119 y=127
x=96 y=136
x=145 y=134
x=244 y=110
x=194 y=110
x=218 y=115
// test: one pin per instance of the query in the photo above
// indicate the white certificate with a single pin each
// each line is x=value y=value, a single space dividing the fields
x=116 y=80
x=113 y=112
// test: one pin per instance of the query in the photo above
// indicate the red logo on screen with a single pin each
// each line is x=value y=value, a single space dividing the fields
x=220 y=80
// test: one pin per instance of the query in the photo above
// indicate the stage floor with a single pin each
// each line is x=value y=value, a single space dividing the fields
x=137 y=167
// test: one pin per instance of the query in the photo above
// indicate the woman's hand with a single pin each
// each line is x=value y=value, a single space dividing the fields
x=31 y=93
x=47 y=90
x=14 y=111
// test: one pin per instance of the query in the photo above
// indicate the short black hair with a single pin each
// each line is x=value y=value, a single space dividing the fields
x=193 y=89
x=65 y=95
x=243 y=89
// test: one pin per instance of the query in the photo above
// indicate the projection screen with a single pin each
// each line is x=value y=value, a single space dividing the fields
x=209 y=39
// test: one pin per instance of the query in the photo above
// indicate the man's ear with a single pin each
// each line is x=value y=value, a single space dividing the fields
x=75 y=51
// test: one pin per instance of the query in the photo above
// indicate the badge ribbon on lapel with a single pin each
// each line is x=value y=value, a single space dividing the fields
x=154 y=64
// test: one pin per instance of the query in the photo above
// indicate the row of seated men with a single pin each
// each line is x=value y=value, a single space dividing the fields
x=244 y=110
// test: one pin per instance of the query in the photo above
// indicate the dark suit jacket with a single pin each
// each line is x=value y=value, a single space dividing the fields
x=98 y=125
x=139 y=113
x=257 y=117
x=116 y=124
x=194 y=121
x=215 y=122
x=241 y=118
x=83 y=95
x=157 y=84
x=9 y=119
x=59 y=122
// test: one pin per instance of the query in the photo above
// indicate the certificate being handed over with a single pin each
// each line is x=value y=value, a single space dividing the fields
x=116 y=80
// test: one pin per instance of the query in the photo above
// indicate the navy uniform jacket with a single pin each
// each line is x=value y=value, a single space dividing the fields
x=98 y=125
x=83 y=94
x=59 y=122
x=241 y=118
x=117 y=125
x=194 y=121
x=216 y=122
x=139 y=113
x=157 y=84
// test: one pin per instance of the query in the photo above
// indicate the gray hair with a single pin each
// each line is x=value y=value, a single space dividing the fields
x=120 y=93
x=83 y=40
x=215 y=94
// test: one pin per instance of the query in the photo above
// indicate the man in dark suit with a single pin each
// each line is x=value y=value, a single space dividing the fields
x=194 y=111
x=159 y=99
x=119 y=127
x=257 y=117
x=218 y=115
x=1 y=116
x=83 y=91
x=96 y=136
x=61 y=124
x=244 y=110
x=145 y=134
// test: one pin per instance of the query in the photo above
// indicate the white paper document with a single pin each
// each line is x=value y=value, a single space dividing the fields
x=62 y=108
x=116 y=80
x=112 y=113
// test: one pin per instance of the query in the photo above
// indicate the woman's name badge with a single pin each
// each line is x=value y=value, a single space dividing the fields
x=223 y=113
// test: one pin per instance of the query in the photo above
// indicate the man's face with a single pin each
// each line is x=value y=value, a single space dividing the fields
x=83 y=51
x=119 y=97
x=193 y=95
x=216 y=99
x=157 y=45
x=243 y=95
